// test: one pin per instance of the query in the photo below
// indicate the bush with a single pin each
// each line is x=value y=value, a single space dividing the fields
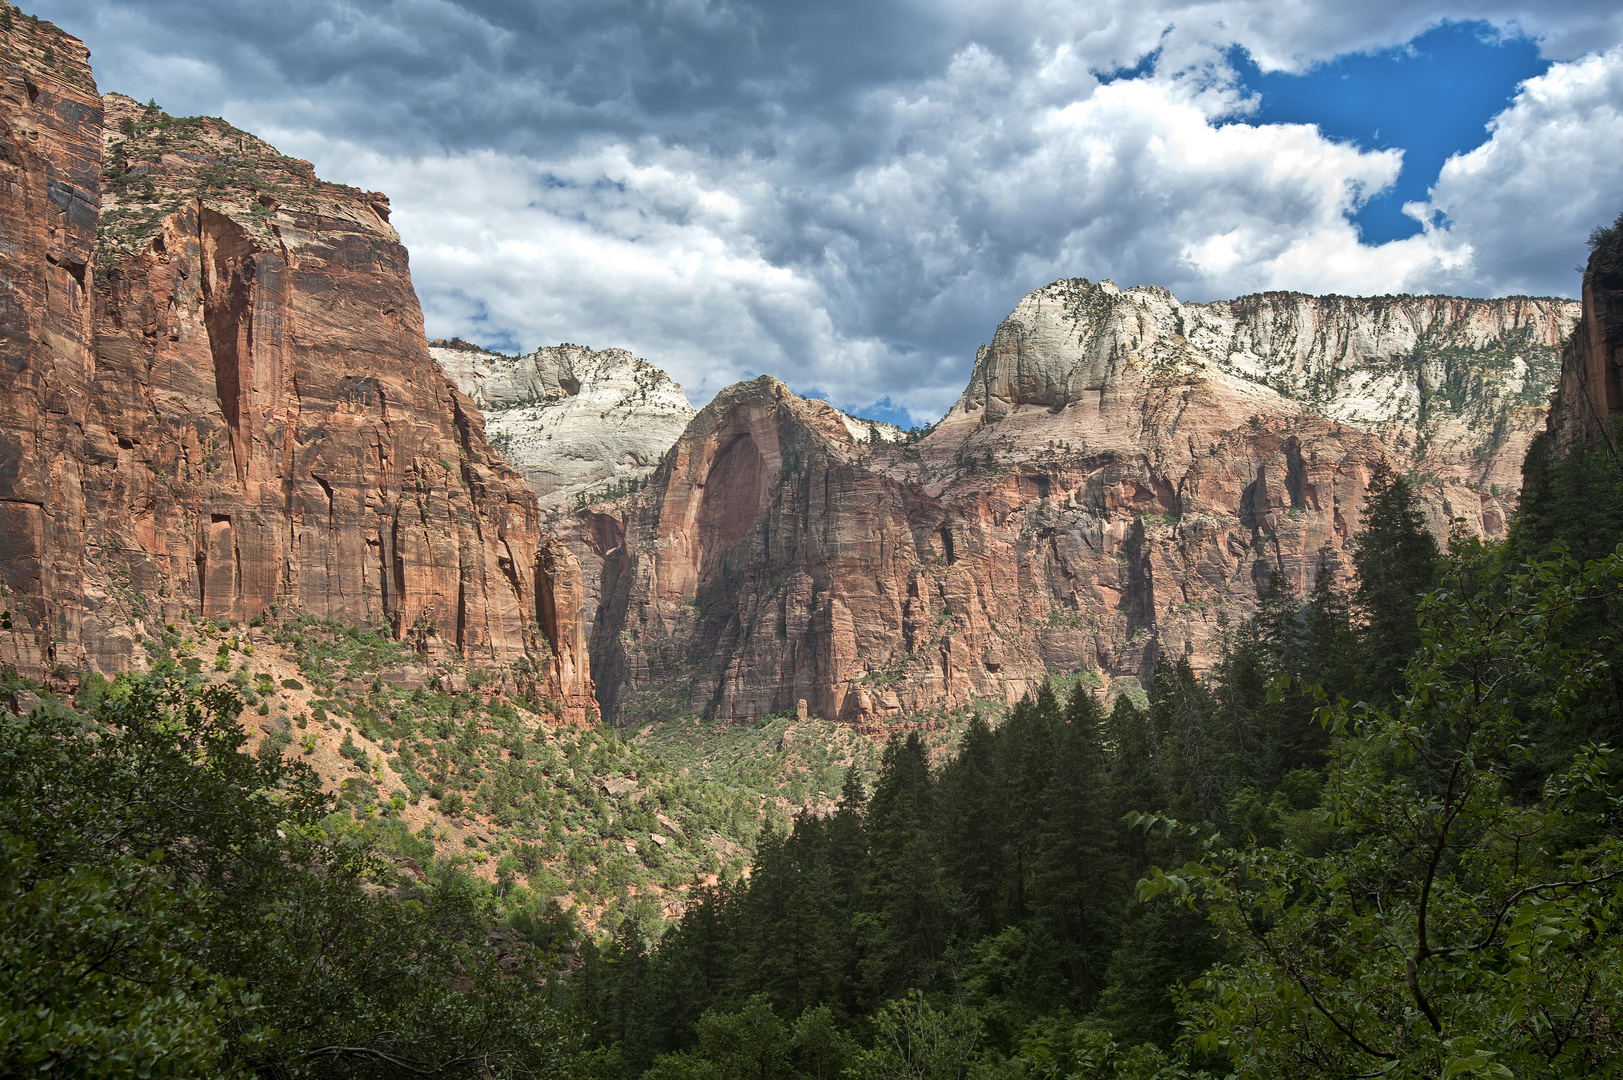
x=354 y=753
x=273 y=744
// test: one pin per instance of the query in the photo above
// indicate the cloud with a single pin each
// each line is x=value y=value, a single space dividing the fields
x=1552 y=170
x=851 y=194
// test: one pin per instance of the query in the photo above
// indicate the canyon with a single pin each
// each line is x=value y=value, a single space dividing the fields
x=1122 y=475
x=217 y=401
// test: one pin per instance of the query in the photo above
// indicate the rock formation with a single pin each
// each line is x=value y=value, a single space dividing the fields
x=1122 y=473
x=576 y=423
x=218 y=398
x=1590 y=396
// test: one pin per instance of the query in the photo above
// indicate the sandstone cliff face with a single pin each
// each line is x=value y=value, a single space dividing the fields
x=50 y=169
x=1590 y=396
x=224 y=401
x=1121 y=470
x=576 y=423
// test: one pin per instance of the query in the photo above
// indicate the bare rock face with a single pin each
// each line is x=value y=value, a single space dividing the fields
x=1590 y=397
x=218 y=398
x=50 y=171
x=576 y=423
x=1122 y=472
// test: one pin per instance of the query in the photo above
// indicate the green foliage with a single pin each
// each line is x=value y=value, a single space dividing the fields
x=1606 y=239
x=913 y=1040
x=97 y=981
x=1396 y=558
x=209 y=924
x=1456 y=927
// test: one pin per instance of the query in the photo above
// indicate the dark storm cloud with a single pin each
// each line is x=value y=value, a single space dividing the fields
x=848 y=194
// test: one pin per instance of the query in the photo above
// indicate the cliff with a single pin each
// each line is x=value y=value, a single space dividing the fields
x=576 y=423
x=1121 y=476
x=1590 y=395
x=217 y=398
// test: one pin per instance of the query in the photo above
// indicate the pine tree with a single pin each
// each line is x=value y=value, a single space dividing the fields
x=901 y=913
x=1181 y=710
x=971 y=825
x=1396 y=557
x=1079 y=874
x=1136 y=783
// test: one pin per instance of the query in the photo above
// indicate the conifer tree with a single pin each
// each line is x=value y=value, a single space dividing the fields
x=971 y=826
x=901 y=914
x=1396 y=557
x=1077 y=884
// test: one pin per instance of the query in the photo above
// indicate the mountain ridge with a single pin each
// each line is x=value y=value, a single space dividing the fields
x=1120 y=468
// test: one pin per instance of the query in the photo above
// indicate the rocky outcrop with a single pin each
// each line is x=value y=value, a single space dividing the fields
x=1457 y=386
x=218 y=399
x=1590 y=396
x=1122 y=475
x=577 y=424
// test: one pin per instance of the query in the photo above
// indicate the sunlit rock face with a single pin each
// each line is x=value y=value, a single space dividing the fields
x=217 y=398
x=1120 y=477
x=577 y=424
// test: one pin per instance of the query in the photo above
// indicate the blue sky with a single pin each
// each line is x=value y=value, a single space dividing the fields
x=852 y=194
x=1431 y=97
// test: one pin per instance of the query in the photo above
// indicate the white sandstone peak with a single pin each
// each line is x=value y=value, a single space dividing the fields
x=575 y=421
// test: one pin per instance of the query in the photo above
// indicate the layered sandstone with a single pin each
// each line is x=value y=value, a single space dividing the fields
x=1590 y=397
x=576 y=423
x=1122 y=475
x=218 y=398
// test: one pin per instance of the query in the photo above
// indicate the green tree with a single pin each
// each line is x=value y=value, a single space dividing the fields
x=215 y=922
x=901 y=916
x=1396 y=558
x=1451 y=929
x=1077 y=884
x=96 y=976
x=913 y=1040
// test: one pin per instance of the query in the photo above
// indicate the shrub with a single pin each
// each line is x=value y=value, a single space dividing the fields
x=354 y=753
x=273 y=744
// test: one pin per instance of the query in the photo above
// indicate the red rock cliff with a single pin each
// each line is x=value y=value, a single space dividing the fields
x=1121 y=474
x=1590 y=397
x=218 y=397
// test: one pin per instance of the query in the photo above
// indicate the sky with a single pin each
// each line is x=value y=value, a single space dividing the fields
x=851 y=194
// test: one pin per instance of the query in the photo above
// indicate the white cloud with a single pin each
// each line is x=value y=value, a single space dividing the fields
x=853 y=214
x=1552 y=170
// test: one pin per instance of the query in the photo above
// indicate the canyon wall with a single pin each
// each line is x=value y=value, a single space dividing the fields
x=1121 y=476
x=1590 y=396
x=218 y=399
